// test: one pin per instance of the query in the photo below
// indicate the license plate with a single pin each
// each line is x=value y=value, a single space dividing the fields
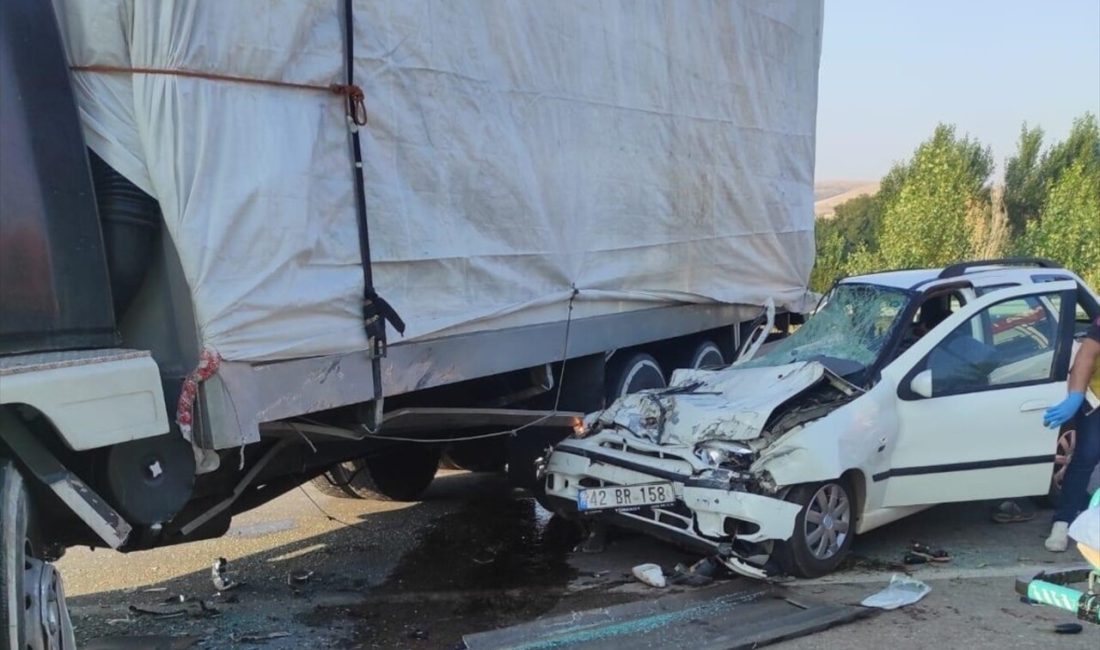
x=625 y=497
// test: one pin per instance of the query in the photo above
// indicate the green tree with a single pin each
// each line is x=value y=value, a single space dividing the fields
x=858 y=220
x=1024 y=186
x=1069 y=226
x=1030 y=174
x=829 y=266
x=925 y=220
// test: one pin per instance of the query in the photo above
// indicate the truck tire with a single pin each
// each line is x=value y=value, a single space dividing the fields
x=33 y=613
x=527 y=447
x=694 y=355
x=487 y=455
x=706 y=354
x=13 y=533
x=632 y=373
x=398 y=474
x=336 y=479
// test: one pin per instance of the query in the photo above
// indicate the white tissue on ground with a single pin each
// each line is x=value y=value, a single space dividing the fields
x=902 y=591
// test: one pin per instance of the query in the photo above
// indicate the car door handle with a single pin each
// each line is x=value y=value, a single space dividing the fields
x=1034 y=405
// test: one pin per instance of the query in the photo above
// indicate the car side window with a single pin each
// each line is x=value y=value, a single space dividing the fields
x=931 y=312
x=1008 y=343
x=1081 y=319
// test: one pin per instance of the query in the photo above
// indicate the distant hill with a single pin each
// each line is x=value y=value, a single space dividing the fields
x=829 y=194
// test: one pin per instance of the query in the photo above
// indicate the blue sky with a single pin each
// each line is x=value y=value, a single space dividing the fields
x=892 y=69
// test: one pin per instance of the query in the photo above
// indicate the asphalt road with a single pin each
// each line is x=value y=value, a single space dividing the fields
x=319 y=572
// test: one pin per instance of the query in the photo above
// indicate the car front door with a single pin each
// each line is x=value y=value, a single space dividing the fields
x=970 y=400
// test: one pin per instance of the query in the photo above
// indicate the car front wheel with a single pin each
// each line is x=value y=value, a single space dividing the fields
x=823 y=530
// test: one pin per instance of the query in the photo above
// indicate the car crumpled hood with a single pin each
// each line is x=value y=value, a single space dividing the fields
x=730 y=404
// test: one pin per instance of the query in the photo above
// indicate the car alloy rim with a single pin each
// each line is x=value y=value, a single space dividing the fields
x=1066 y=444
x=828 y=519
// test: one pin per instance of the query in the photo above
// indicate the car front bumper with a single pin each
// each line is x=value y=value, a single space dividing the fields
x=708 y=511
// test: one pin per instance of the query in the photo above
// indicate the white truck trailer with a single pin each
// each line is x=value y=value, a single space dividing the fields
x=244 y=246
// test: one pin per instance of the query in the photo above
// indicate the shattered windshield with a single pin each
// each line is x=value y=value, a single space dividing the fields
x=853 y=325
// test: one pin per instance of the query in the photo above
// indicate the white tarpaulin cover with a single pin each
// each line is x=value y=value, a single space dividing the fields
x=644 y=152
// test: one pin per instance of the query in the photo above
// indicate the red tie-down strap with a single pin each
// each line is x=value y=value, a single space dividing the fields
x=185 y=408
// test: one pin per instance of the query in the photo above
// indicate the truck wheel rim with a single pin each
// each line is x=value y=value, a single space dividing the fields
x=708 y=356
x=827 y=522
x=46 y=618
x=645 y=374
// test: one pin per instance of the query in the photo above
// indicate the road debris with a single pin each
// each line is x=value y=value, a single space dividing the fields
x=158 y=613
x=650 y=574
x=191 y=606
x=221 y=576
x=1068 y=628
x=120 y=621
x=257 y=637
x=1010 y=512
x=700 y=574
x=901 y=591
x=920 y=553
x=153 y=642
x=299 y=577
x=720 y=617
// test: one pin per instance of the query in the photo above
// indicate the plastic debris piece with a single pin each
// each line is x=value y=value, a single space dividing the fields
x=251 y=637
x=120 y=621
x=697 y=575
x=901 y=591
x=188 y=608
x=650 y=574
x=221 y=576
x=931 y=554
x=1068 y=628
x=298 y=577
x=158 y=613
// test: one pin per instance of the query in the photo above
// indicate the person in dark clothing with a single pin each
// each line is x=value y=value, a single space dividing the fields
x=1086 y=455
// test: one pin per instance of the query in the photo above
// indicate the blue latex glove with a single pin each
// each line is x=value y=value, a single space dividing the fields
x=1063 y=411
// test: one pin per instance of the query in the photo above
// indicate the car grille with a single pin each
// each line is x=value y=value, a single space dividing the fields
x=620 y=446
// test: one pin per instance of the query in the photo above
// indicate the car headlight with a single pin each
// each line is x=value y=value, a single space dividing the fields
x=723 y=452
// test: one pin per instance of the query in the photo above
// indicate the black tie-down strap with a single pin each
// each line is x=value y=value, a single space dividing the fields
x=376 y=313
x=376 y=310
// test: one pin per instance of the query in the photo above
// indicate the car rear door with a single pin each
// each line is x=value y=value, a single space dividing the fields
x=970 y=400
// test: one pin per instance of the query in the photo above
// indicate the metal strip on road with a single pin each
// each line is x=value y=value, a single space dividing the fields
x=716 y=618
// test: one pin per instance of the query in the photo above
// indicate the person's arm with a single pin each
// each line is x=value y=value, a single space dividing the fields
x=1084 y=365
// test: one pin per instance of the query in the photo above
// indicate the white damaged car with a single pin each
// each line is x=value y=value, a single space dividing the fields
x=906 y=389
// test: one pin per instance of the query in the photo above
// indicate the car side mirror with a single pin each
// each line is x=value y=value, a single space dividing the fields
x=922 y=383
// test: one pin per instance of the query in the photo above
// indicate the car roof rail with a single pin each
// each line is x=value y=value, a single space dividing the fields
x=955 y=270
